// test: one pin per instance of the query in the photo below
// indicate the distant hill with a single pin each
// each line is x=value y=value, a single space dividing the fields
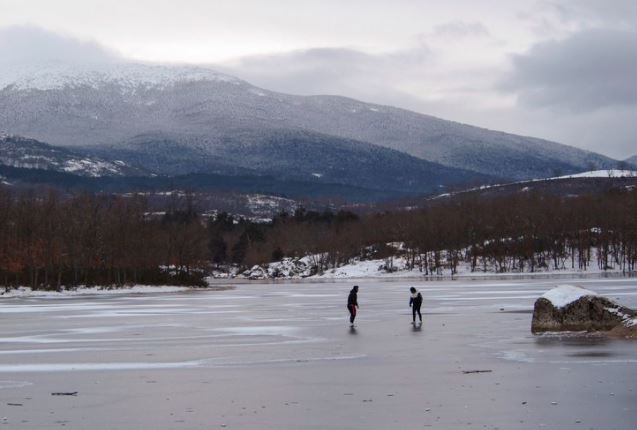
x=292 y=162
x=17 y=151
x=207 y=183
x=585 y=183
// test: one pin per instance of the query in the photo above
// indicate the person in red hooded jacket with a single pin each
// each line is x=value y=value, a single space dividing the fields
x=352 y=304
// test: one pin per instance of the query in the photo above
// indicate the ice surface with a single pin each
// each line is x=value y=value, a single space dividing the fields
x=563 y=295
x=286 y=358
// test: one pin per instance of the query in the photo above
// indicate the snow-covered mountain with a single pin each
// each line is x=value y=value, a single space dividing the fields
x=128 y=77
x=213 y=121
x=632 y=160
x=20 y=152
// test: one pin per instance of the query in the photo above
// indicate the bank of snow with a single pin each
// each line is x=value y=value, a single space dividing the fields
x=396 y=267
x=86 y=291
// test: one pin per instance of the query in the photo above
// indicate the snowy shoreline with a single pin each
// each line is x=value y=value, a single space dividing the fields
x=88 y=291
x=216 y=282
x=353 y=272
x=302 y=268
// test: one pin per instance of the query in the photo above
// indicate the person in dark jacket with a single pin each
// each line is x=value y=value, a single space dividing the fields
x=415 y=301
x=352 y=304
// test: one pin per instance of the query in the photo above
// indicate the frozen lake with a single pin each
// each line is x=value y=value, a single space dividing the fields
x=282 y=356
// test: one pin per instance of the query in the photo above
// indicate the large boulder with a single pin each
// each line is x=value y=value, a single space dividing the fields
x=571 y=308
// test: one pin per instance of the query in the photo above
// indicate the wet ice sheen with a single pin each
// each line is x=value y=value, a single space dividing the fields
x=286 y=351
x=66 y=367
x=256 y=312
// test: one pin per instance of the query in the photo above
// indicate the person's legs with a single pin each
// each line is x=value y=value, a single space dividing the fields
x=352 y=313
x=413 y=314
x=419 y=314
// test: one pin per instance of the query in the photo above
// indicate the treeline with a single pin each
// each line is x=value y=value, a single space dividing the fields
x=523 y=232
x=49 y=242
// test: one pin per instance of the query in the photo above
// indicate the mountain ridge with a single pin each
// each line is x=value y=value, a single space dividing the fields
x=298 y=156
x=204 y=111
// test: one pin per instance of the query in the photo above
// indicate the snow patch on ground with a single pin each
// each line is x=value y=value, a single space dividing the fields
x=564 y=295
x=93 y=168
x=611 y=173
x=608 y=173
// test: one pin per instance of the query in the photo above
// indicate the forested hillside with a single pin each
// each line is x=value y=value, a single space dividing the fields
x=49 y=242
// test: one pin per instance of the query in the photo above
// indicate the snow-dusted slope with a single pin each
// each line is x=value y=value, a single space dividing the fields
x=127 y=76
x=526 y=186
x=16 y=151
x=202 y=110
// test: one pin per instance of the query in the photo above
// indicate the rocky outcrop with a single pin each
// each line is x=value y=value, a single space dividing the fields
x=569 y=308
x=288 y=268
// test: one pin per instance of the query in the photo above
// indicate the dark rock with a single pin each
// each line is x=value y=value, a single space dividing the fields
x=588 y=313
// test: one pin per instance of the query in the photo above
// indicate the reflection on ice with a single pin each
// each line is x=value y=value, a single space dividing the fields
x=570 y=339
x=518 y=356
x=260 y=330
x=596 y=362
x=292 y=360
x=48 y=351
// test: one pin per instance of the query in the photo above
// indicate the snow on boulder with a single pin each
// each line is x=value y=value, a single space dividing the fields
x=571 y=308
x=563 y=295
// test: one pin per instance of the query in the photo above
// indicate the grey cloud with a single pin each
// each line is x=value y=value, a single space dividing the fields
x=33 y=45
x=600 y=13
x=333 y=71
x=589 y=70
x=455 y=29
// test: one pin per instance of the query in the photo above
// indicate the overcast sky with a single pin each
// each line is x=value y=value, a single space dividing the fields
x=558 y=69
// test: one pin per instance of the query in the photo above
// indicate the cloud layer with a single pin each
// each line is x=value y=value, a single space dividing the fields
x=589 y=70
x=556 y=69
x=32 y=45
